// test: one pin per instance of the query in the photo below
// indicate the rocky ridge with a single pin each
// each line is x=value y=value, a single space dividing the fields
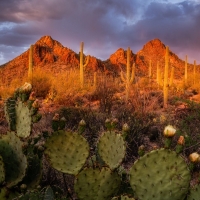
x=51 y=55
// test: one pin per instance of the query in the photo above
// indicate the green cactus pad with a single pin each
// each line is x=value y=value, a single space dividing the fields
x=23 y=119
x=123 y=197
x=49 y=194
x=194 y=193
x=160 y=174
x=10 y=113
x=96 y=184
x=67 y=151
x=2 y=171
x=111 y=148
x=5 y=194
x=33 y=172
x=14 y=160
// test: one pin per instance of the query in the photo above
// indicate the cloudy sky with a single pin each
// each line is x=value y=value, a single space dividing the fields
x=103 y=25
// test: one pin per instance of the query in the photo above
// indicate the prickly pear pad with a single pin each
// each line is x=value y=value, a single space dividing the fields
x=15 y=161
x=126 y=198
x=2 y=171
x=96 y=184
x=23 y=119
x=160 y=174
x=111 y=148
x=67 y=151
x=194 y=193
x=123 y=197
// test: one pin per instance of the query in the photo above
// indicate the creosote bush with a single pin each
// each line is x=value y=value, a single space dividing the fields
x=42 y=82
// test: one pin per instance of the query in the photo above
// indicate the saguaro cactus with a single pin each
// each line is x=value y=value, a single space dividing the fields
x=166 y=84
x=171 y=77
x=158 y=74
x=82 y=66
x=150 y=69
x=129 y=75
x=30 y=67
x=186 y=71
x=194 y=72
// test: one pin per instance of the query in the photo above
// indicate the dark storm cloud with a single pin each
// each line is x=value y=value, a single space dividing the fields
x=177 y=25
x=104 y=25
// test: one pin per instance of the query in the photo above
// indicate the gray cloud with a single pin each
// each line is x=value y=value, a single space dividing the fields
x=104 y=25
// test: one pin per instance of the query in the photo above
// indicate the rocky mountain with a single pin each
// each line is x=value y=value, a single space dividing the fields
x=51 y=55
x=154 y=52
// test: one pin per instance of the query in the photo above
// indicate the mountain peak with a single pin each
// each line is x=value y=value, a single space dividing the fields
x=155 y=43
x=48 y=41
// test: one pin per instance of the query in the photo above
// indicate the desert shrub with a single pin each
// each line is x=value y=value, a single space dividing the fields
x=7 y=90
x=67 y=87
x=41 y=82
x=104 y=93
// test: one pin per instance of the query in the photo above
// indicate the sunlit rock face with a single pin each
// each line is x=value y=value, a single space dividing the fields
x=52 y=56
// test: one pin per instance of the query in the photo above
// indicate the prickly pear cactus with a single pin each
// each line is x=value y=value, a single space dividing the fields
x=14 y=160
x=33 y=172
x=160 y=174
x=5 y=194
x=67 y=151
x=10 y=113
x=96 y=184
x=21 y=111
x=49 y=194
x=111 y=148
x=23 y=119
x=123 y=197
x=194 y=193
x=2 y=171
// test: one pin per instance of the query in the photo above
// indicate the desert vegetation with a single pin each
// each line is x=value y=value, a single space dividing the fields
x=92 y=134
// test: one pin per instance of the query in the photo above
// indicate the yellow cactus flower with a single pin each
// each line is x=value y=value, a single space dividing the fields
x=194 y=157
x=169 y=131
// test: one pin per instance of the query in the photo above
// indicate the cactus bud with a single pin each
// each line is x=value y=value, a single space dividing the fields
x=126 y=127
x=169 y=131
x=82 y=123
x=141 y=150
x=180 y=144
x=32 y=96
x=23 y=188
x=181 y=140
x=81 y=127
x=56 y=117
x=36 y=104
x=108 y=124
x=125 y=130
x=114 y=123
x=26 y=88
x=40 y=148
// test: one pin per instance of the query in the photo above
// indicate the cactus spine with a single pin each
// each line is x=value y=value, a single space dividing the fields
x=186 y=71
x=30 y=67
x=166 y=85
x=194 y=72
x=82 y=66
x=129 y=75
